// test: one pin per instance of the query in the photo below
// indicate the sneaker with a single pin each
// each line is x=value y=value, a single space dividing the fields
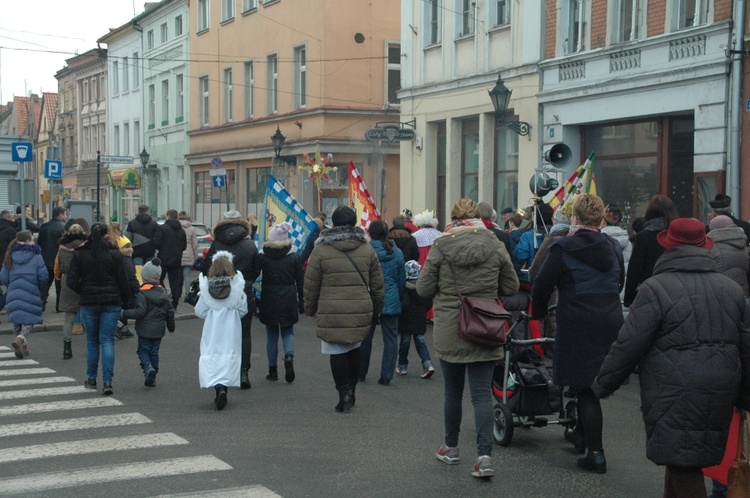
x=483 y=467
x=107 y=389
x=150 y=377
x=429 y=370
x=289 y=368
x=24 y=346
x=447 y=454
x=273 y=374
x=221 y=400
x=118 y=333
x=17 y=347
x=89 y=384
x=401 y=370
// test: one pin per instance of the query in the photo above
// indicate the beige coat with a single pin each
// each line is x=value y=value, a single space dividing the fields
x=483 y=269
x=334 y=292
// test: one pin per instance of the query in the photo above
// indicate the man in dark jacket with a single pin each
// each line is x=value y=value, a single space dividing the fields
x=141 y=232
x=721 y=205
x=170 y=239
x=232 y=234
x=7 y=230
x=689 y=332
x=49 y=241
x=401 y=236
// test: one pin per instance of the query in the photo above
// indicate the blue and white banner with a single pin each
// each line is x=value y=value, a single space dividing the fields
x=281 y=206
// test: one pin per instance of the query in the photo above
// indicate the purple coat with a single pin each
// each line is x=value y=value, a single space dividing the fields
x=24 y=281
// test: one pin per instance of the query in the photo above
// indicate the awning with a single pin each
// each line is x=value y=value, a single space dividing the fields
x=128 y=179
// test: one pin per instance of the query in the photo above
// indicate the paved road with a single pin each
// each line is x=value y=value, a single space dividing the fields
x=276 y=439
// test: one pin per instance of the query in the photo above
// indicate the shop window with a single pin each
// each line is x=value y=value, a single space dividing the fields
x=506 y=170
x=470 y=159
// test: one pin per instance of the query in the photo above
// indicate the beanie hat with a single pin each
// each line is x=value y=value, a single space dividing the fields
x=231 y=215
x=151 y=272
x=412 y=270
x=280 y=232
x=559 y=217
x=123 y=241
x=721 y=221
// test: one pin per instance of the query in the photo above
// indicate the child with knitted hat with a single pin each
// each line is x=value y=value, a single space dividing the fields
x=126 y=249
x=413 y=323
x=153 y=312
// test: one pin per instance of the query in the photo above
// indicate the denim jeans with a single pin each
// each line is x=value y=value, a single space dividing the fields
x=272 y=343
x=186 y=278
x=419 y=345
x=389 y=326
x=480 y=380
x=100 y=323
x=148 y=352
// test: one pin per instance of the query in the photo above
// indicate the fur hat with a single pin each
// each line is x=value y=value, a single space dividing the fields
x=231 y=215
x=280 y=232
x=425 y=218
x=223 y=254
x=721 y=221
x=412 y=270
x=151 y=272
x=721 y=201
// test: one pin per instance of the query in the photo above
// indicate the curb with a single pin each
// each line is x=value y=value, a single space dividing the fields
x=53 y=327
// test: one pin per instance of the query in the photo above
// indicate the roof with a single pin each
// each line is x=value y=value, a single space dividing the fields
x=49 y=102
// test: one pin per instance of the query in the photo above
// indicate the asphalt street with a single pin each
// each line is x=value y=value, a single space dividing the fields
x=276 y=438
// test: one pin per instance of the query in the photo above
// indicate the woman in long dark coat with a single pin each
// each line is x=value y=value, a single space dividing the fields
x=587 y=269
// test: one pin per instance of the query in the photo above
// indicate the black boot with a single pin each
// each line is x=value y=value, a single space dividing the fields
x=221 y=397
x=345 y=402
x=594 y=461
x=352 y=392
x=67 y=350
x=289 y=367
x=244 y=380
x=273 y=374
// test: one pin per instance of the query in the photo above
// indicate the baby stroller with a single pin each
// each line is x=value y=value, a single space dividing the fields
x=522 y=384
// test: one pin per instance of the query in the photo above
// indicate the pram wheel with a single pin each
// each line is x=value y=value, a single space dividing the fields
x=502 y=431
x=571 y=413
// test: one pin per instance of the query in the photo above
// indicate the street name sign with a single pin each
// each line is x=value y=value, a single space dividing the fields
x=219 y=172
x=116 y=159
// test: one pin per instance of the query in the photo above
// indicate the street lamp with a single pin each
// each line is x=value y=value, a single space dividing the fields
x=278 y=142
x=144 y=157
x=500 y=96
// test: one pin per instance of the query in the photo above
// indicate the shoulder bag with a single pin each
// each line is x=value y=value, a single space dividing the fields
x=194 y=293
x=375 y=310
x=483 y=322
x=738 y=479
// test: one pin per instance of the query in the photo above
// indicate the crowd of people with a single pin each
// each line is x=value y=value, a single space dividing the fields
x=664 y=295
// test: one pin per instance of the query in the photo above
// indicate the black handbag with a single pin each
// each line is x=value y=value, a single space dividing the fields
x=194 y=293
x=375 y=310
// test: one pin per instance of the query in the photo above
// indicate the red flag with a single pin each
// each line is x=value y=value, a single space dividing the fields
x=360 y=200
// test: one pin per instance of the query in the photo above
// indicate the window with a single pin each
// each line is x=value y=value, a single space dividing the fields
x=116 y=141
x=506 y=169
x=575 y=40
x=393 y=73
x=249 y=90
x=115 y=78
x=136 y=72
x=177 y=26
x=228 y=95
x=692 y=13
x=203 y=9
x=441 y=153
x=249 y=5
x=164 y=33
x=126 y=139
x=470 y=159
x=103 y=135
x=150 y=39
x=227 y=9
x=272 y=84
x=627 y=21
x=203 y=93
x=151 y=106
x=95 y=138
x=300 y=77
x=433 y=10
x=85 y=96
x=125 y=75
x=467 y=17
x=137 y=136
x=502 y=12
x=257 y=182
x=86 y=141
x=165 y=102
x=95 y=89
x=180 y=104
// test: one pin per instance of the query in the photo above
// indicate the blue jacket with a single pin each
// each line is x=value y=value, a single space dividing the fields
x=25 y=281
x=394 y=276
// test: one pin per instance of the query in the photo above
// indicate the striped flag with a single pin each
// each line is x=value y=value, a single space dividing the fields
x=581 y=181
x=360 y=199
x=281 y=206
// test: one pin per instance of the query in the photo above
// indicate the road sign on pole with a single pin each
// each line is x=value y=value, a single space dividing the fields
x=22 y=152
x=53 y=169
x=219 y=181
x=218 y=172
x=216 y=162
x=116 y=159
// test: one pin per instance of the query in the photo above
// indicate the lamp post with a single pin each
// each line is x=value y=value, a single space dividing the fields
x=144 y=162
x=500 y=96
x=277 y=139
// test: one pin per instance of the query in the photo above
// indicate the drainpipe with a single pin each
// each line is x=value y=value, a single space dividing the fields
x=737 y=52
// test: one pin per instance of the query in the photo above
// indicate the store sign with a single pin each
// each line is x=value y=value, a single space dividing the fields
x=391 y=133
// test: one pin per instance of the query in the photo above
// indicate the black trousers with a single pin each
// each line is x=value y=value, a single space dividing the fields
x=45 y=292
x=175 y=282
x=684 y=482
x=247 y=345
x=345 y=369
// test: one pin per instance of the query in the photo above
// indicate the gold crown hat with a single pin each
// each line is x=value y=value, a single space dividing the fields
x=425 y=218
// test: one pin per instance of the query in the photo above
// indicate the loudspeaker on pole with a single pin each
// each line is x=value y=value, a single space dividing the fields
x=559 y=155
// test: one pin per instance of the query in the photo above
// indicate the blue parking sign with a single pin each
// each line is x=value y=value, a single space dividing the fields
x=22 y=152
x=53 y=169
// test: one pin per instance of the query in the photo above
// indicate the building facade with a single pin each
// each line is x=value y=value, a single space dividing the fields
x=66 y=125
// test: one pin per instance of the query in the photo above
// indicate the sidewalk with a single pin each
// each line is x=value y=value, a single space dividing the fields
x=54 y=321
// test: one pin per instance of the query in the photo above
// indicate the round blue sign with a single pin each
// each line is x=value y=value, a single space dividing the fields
x=216 y=162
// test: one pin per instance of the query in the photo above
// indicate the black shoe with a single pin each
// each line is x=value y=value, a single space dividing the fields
x=289 y=367
x=89 y=384
x=221 y=399
x=150 y=377
x=273 y=374
x=384 y=382
x=244 y=380
x=352 y=397
x=107 y=389
x=577 y=439
x=345 y=402
x=594 y=461
x=67 y=350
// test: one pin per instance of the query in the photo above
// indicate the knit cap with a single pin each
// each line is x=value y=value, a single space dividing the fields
x=231 y=215
x=721 y=221
x=280 y=232
x=151 y=272
x=412 y=270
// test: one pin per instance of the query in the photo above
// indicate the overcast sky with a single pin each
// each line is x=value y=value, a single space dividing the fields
x=50 y=31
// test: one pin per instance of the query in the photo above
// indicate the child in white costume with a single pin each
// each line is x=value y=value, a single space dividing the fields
x=221 y=304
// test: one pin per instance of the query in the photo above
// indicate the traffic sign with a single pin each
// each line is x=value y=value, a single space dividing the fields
x=116 y=159
x=218 y=172
x=219 y=181
x=216 y=162
x=22 y=152
x=53 y=169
